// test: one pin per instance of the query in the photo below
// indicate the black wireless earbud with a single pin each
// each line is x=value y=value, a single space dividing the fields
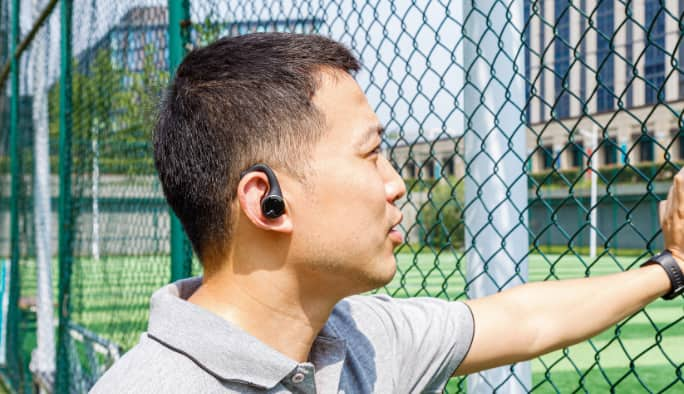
x=272 y=204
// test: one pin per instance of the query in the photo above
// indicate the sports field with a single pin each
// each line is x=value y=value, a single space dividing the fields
x=643 y=354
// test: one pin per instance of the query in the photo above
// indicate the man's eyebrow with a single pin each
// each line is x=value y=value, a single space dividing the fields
x=372 y=131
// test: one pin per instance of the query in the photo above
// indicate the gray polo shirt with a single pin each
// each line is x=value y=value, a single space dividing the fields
x=370 y=344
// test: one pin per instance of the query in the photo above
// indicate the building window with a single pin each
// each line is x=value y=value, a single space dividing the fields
x=429 y=170
x=528 y=86
x=680 y=57
x=628 y=54
x=583 y=58
x=547 y=157
x=578 y=155
x=562 y=58
x=609 y=151
x=680 y=143
x=410 y=170
x=449 y=169
x=542 y=71
x=654 y=68
x=604 y=57
x=645 y=144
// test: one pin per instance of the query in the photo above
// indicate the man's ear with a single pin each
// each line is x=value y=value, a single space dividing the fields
x=250 y=191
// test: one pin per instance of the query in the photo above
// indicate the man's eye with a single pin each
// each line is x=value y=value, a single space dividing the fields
x=377 y=150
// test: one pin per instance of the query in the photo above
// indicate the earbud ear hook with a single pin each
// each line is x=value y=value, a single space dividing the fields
x=272 y=204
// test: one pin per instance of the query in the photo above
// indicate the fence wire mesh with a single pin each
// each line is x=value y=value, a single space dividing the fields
x=120 y=219
x=35 y=66
x=608 y=68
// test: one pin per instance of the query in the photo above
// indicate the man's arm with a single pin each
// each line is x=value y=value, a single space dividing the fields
x=533 y=319
x=526 y=321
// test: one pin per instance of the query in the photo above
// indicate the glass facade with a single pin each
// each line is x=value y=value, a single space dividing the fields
x=542 y=75
x=680 y=57
x=561 y=57
x=654 y=59
x=528 y=85
x=605 y=59
x=629 y=49
x=583 y=57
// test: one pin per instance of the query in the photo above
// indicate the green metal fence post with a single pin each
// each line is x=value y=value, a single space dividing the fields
x=179 y=20
x=62 y=380
x=12 y=343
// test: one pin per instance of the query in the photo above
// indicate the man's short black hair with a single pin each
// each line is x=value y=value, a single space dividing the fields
x=236 y=102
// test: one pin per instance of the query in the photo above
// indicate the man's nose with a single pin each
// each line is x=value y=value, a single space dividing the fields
x=394 y=185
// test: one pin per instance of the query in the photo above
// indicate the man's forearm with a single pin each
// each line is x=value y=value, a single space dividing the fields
x=543 y=316
x=570 y=311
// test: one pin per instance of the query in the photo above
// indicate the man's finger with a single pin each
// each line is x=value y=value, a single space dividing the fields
x=662 y=210
x=678 y=194
x=668 y=201
x=676 y=198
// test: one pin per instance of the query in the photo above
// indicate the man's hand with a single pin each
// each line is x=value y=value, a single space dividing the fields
x=671 y=212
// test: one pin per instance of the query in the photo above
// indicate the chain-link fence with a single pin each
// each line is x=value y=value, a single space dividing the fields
x=561 y=88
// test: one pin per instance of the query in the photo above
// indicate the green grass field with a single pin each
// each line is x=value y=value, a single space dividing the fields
x=643 y=354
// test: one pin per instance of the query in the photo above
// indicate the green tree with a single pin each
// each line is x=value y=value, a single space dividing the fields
x=133 y=110
x=117 y=106
x=208 y=31
x=441 y=216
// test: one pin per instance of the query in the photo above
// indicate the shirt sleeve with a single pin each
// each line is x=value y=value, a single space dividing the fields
x=428 y=337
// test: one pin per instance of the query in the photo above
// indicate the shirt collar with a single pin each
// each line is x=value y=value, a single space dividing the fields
x=221 y=348
x=218 y=346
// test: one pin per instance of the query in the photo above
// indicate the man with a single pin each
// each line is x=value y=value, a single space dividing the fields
x=269 y=153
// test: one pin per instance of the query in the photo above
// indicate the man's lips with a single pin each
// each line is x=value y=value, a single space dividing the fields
x=396 y=236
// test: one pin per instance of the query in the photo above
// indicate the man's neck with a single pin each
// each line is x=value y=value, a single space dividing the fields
x=271 y=306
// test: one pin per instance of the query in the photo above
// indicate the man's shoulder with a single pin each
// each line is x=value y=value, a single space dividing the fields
x=150 y=367
x=357 y=307
x=363 y=318
x=372 y=306
x=380 y=313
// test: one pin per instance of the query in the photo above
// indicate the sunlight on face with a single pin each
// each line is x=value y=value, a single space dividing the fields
x=344 y=224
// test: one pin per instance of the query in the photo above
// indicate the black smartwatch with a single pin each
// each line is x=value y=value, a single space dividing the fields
x=674 y=272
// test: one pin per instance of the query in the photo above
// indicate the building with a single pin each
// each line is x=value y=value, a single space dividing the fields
x=430 y=159
x=141 y=33
x=141 y=36
x=605 y=66
x=619 y=76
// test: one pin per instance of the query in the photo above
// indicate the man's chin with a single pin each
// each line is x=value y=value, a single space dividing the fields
x=382 y=278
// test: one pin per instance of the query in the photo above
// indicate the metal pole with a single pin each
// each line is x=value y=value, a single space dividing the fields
x=95 y=191
x=45 y=353
x=12 y=344
x=593 y=143
x=594 y=193
x=496 y=185
x=62 y=378
x=179 y=20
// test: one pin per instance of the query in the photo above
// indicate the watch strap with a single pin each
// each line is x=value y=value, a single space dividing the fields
x=674 y=272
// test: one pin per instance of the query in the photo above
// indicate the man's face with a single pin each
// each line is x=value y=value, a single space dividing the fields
x=345 y=221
